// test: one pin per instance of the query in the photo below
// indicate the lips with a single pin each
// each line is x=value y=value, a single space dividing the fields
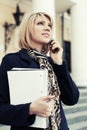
x=46 y=34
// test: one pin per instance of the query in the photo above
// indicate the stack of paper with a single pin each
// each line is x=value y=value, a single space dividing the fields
x=26 y=85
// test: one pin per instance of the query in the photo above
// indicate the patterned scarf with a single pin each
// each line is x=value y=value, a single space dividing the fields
x=53 y=88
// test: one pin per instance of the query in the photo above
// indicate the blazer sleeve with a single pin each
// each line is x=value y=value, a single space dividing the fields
x=68 y=88
x=14 y=115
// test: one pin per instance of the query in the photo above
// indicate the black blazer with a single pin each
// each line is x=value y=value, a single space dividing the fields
x=17 y=116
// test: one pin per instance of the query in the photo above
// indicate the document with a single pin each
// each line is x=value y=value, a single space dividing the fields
x=26 y=85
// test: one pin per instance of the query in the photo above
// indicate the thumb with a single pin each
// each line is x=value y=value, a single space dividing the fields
x=48 y=98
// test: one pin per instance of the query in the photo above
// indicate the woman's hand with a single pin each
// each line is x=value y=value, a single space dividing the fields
x=42 y=106
x=57 y=55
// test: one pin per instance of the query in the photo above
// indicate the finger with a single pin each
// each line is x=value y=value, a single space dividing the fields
x=55 y=43
x=44 y=114
x=48 y=98
x=55 y=49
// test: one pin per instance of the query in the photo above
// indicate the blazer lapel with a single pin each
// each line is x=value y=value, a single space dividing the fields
x=25 y=57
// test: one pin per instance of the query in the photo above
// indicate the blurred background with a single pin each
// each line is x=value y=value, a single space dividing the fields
x=70 y=17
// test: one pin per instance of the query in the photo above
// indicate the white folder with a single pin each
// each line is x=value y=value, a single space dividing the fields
x=26 y=85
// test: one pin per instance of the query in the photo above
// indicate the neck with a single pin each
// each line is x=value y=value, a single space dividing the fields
x=37 y=46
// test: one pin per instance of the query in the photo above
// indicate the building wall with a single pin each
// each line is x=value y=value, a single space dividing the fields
x=6 y=11
x=6 y=16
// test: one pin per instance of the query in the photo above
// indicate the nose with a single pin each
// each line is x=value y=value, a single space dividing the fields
x=47 y=28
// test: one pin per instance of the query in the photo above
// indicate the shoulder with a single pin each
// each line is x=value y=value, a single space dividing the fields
x=9 y=59
x=11 y=55
x=16 y=59
x=14 y=56
x=17 y=54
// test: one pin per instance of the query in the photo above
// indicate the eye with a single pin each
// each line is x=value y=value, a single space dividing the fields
x=50 y=25
x=40 y=23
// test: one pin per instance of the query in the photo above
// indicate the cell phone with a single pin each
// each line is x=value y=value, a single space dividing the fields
x=53 y=50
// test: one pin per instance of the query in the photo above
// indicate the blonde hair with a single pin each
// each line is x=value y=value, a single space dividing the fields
x=26 y=29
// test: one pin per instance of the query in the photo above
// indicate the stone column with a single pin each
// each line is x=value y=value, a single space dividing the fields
x=79 y=42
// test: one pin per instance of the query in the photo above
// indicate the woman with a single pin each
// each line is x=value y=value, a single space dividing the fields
x=36 y=32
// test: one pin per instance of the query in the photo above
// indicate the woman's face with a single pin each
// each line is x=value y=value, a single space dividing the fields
x=42 y=31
